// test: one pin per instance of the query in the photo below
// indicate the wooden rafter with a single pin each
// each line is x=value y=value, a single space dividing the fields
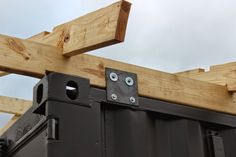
x=98 y=29
x=95 y=30
x=224 y=75
x=14 y=105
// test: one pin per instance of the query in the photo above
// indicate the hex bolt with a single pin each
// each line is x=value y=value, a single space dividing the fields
x=113 y=96
x=129 y=81
x=113 y=76
x=132 y=100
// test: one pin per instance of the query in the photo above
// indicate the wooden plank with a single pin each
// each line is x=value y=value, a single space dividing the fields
x=3 y=73
x=226 y=66
x=14 y=105
x=219 y=74
x=39 y=36
x=190 y=72
x=33 y=59
x=9 y=124
x=98 y=29
x=35 y=37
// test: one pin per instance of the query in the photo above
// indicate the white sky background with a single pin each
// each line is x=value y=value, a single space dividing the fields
x=167 y=35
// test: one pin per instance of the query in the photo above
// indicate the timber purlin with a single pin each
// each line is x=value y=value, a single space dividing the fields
x=64 y=126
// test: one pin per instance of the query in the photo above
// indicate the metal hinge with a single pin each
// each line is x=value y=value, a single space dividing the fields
x=122 y=87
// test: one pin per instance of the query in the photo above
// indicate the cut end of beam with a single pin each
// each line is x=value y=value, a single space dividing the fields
x=99 y=29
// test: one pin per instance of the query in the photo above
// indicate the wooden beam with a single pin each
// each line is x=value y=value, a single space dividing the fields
x=14 y=105
x=35 y=37
x=95 y=30
x=33 y=59
x=38 y=36
x=219 y=74
x=188 y=73
x=98 y=29
x=9 y=124
x=226 y=66
x=2 y=73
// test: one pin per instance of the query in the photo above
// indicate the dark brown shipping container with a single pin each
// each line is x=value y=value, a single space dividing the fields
x=71 y=119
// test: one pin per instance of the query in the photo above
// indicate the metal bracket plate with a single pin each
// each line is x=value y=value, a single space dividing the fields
x=122 y=87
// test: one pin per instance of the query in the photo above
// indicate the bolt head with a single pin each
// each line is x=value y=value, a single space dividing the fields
x=129 y=81
x=113 y=76
x=114 y=97
x=132 y=100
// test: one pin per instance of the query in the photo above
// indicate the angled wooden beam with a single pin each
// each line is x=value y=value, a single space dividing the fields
x=188 y=73
x=95 y=30
x=33 y=59
x=14 y=105
x=9 y=124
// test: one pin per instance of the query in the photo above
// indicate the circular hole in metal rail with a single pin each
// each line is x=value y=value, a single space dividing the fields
x=39 y=93
x=72 y=90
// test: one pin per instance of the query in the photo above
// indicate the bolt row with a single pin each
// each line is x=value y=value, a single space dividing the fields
x=128 y=80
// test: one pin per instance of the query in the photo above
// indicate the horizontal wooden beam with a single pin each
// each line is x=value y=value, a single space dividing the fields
x=95 y=30
x=14 y=105
x=33 y=59
x=35 y=37
x=225 y=66
x=219 y=74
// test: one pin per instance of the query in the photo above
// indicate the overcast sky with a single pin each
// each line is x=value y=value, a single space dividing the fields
x=168 y=35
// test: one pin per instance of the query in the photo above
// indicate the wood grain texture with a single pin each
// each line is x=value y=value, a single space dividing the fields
x=9 y=124
x=95 y=30
x=152 y=84
x=225 y=66
x=14 y=105
x=224 y=75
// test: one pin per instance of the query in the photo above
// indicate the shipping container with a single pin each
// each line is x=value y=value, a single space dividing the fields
x=70 y=118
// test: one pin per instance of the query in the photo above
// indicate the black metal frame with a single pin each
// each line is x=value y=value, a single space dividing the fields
x=80 y=121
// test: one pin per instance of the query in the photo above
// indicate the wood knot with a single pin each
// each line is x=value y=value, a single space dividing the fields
x=67 y=38
x=17 y=46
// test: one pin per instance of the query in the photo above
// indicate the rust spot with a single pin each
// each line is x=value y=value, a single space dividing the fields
x=97 y=73
x=17 y=46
